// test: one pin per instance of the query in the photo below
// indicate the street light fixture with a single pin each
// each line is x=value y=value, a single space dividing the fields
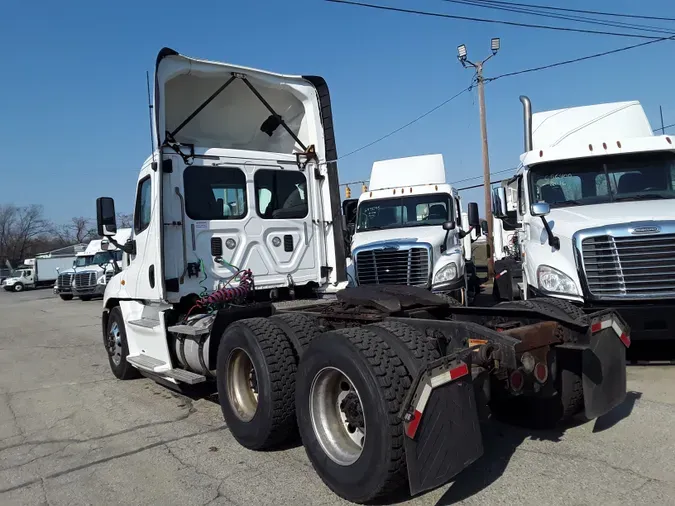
x=494 y=44
x=461 y=53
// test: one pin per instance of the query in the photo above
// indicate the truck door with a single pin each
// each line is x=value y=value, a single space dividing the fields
x=142 y=278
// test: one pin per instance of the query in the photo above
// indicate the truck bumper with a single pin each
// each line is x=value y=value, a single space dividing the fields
x=89 y=290
x=648 y=321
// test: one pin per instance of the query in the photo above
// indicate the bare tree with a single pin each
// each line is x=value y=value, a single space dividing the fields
x=81 y=228
x=125 y=220
x=20 y=229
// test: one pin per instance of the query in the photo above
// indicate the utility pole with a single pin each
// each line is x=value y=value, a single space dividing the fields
x=461 y=55
x=663 y=130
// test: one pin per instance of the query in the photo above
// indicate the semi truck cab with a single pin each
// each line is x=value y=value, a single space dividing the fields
x=593 y=206
x=410 y=229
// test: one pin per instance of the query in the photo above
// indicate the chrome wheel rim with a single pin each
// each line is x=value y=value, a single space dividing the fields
x=337 y=415
x=115 y=343
x=242 y=384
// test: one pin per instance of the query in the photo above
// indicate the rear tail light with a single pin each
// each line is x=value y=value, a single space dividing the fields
x=516 y=380
x=541 y=372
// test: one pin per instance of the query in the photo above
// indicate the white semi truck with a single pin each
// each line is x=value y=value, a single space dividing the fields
x=37 y=272
x=92 y=269
x=592 y=206
x=409 y=229
x=240 y=201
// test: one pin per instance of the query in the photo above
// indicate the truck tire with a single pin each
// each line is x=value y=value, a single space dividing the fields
x=300 y=328
x=18 y=287
x=85 y=298
x=255 y=373
x=351 y=385
x=66 y=296
x=115 y=342
x=423 y=349
x=449 y=299
x=547 y=413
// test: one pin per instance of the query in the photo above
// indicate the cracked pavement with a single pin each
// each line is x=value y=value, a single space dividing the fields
x=70 y=433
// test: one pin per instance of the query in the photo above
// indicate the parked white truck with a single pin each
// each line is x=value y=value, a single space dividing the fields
x=92 y=269
x=382 y=382
x=593 y=204
x=410 y=230
x=37 y=272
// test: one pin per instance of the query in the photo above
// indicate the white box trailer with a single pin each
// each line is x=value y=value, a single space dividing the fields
x=38 y=272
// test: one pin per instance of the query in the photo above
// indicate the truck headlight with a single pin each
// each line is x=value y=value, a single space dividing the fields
x=445 y=274
x=554 y=281
x=101 y=280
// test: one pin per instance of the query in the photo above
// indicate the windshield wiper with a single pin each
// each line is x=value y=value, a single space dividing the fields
x=644 y=196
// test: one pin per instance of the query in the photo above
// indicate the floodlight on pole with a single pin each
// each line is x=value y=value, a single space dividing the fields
x=494 y=45
x=461 y=53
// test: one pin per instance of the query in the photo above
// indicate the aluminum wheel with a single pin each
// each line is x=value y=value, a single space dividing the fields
x=115 y=343
x=337 y=416
x=242 y=384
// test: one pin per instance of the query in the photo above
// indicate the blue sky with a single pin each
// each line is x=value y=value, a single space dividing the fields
x=74 y=118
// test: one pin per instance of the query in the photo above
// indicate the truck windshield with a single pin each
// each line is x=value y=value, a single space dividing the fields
x=18 y=273
x=398 y=212
x=83 y=261
x=598 y=180
x=104 y=257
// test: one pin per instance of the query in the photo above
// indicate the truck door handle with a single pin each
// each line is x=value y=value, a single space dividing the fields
x=151 y=276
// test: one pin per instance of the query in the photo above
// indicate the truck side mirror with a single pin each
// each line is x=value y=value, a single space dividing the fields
x=449 y=225
x=105 y=217
x=540 y=209
x=474 y=218
x=499 y=202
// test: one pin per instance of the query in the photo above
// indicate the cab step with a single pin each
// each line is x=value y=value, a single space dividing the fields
x=148 y=323
x=184 y=376
x=189 y=330
x=146 y=362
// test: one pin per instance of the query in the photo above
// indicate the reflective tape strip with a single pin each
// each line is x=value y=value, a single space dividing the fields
x=424 y=398
x=611 y=322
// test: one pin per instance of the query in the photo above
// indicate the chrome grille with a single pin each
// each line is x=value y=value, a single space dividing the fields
x=63 y=281
x=404 y=266
x=85 y=279
x=630 y=266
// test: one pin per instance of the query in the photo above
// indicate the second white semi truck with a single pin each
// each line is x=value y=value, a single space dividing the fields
x=591 y=215
x=383 y=382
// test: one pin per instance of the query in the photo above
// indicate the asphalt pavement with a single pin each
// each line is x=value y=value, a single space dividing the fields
x=70 y=433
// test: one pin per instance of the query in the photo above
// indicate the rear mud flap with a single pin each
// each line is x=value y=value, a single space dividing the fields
x=446 y=439
x=603 y=373
x=602 y=363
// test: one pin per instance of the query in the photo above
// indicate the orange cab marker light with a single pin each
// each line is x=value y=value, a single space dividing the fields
x=604 y=145
x=618 y=143
x=590 y=147
x=669 y=141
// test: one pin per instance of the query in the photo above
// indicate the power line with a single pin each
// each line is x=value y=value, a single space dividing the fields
x=664 y=128
x=491 y=173
x=418 y=118
x=491 y=21
x=582 y=58
x=550 y=15
x=580 y=11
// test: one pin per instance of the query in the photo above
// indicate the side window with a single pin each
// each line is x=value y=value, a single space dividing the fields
x=215 y=193
x=280 y=194
x=458 y=212
x=522 y=208
x=143 y=209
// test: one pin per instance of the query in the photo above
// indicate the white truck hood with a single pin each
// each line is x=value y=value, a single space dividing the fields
x=568 y=220
x=433 y=235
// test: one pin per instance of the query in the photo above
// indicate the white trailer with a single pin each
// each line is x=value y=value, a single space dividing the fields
x=242 y=205
x=593 y=206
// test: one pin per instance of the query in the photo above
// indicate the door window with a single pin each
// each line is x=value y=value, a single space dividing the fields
x=143 y=209
x=280 y=194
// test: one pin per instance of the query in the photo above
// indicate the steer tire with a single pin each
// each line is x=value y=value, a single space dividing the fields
x=65 y=296
x=300 y=328
x=18 y=287
x=266 y=346
x=86 y=298
x=381 y=380
x=122 y=370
